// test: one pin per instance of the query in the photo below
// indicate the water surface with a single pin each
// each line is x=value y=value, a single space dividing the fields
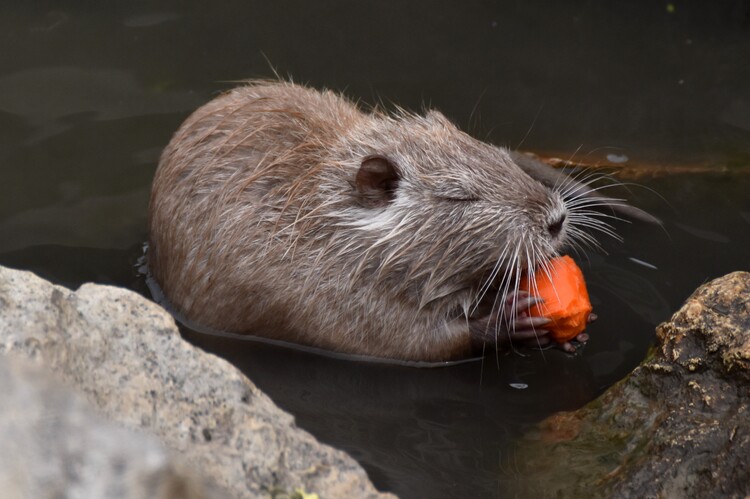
x=90 y=92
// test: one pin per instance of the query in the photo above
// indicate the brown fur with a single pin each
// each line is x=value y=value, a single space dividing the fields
x=257 y=224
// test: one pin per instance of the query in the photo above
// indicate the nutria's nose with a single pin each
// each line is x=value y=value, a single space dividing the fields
x=556 y=226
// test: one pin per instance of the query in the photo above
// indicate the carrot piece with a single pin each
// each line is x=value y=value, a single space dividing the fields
x=566 y=300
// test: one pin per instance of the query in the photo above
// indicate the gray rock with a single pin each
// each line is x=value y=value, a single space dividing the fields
x=678 y=426
x=54 y=445
x=125 y=354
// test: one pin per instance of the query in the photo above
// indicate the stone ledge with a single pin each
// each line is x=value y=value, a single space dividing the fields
x=125 y=354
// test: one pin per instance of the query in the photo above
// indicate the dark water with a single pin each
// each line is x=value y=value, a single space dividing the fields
x=91 y=91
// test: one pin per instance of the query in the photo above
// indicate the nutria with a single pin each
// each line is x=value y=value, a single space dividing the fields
x=285 y=212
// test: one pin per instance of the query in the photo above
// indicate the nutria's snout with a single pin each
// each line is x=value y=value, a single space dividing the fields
x=555 y=227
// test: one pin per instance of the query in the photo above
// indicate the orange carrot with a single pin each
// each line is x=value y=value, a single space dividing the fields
x=566 y=300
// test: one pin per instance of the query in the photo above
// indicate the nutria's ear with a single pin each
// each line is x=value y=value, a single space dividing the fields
x=376 y=182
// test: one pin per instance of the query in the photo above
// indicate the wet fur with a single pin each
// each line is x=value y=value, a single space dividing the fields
x=257 y=225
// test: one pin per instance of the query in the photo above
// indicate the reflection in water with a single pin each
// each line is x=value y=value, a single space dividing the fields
x=709 y=235
x=635 y=291
x=645 y=264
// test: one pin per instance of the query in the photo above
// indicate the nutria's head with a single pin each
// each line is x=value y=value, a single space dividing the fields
x=437 y=217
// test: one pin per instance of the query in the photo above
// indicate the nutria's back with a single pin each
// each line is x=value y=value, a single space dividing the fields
x=282 y=211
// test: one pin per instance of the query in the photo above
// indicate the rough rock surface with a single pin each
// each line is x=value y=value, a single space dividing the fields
x=53 y=441
x=125 y=354
x=678 y=426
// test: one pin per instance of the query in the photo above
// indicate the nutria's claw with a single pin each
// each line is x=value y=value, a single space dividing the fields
x=581 y=339
x=524 y=303
x=531 y=322
x=568 y=347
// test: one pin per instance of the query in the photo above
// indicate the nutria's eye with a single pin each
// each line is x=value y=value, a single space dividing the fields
x=455 y=195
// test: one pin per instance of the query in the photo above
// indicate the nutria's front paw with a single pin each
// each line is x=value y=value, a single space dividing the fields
x=580 y=339
x=525 y=329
